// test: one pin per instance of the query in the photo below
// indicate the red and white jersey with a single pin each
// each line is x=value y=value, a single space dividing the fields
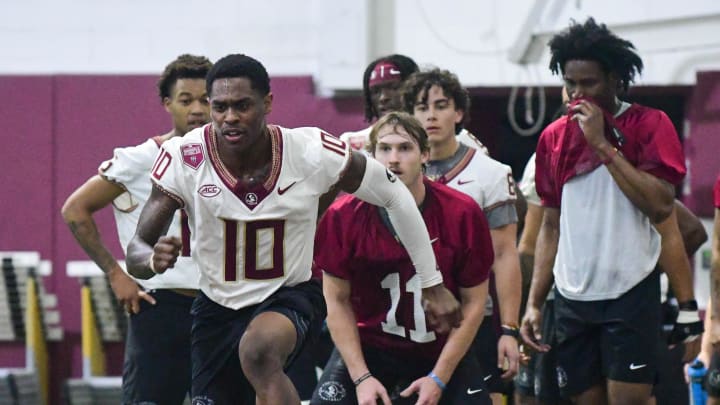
x=489 y=182
x=606 y=245
x=467 y=138
x=354 y=243
x=129 y=169
x=358 y=140
x=249 y=242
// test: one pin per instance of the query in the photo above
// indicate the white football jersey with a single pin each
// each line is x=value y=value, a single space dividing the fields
x=249 y=242
x=130 y=169
x=527 y=183
x=466 y=138
x=358 y=140
x=486 y=180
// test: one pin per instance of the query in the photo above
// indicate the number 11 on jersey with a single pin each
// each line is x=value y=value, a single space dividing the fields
x=420 y=334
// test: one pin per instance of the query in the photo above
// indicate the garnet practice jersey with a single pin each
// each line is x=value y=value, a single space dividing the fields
x=129 y=168
x=354 y=243
x=249 y=242
x=606 y=244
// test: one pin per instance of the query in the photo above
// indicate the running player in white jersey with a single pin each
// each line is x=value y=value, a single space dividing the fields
x=382 y=80
x=439 y=102
x=123 y=181
x=251 y=191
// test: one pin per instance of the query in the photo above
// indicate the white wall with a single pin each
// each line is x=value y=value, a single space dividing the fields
x=141 y=36
x=333 y=40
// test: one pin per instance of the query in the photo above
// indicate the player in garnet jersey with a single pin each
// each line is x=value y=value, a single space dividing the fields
x=605 y=175
x=437 y=99
x=123 y=181
x=384 y=347
x=251 y=192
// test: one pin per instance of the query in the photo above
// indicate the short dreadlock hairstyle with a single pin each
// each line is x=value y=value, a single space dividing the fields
x=419 y=84
x=406 y=66
x=590 y=41
x=186 y=66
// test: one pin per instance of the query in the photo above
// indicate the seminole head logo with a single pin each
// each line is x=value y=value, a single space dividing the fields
x=251 y=199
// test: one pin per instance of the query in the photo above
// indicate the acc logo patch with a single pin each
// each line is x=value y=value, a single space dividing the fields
x=209 y=190
x=192 y=154
x=332 y=391
x=391 y=176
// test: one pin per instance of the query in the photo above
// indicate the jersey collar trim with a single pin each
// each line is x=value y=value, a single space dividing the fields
x=253 y=196
x=459 y=167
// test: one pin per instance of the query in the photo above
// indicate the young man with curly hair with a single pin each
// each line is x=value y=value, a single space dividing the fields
x=605 y=175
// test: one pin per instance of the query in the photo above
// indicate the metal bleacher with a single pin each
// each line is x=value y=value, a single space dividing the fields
x=93 y=391
x=103 y=320
x=29 y=314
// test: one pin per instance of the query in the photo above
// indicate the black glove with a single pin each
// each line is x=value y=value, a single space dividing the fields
x=688 y=325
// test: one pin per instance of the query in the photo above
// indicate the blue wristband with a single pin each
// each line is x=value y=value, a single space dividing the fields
x=437 y=380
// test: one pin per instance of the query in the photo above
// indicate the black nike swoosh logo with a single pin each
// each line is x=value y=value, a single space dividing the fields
x=460 y=182
x=282 y=191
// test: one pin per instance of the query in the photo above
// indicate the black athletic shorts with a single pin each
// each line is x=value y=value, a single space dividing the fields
x=485 y=346
x=396 y=374
x=302 y=373
x=156 y=368
x=670 y=387
x=540 y=375
x=217 y=376
x=613 y=339
x=546 y=380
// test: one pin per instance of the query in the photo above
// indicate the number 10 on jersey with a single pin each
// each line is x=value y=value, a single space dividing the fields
x=262 y=251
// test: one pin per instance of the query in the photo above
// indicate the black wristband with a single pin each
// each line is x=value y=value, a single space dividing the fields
x=510 y=331
x=688 y=305
x=362 y=378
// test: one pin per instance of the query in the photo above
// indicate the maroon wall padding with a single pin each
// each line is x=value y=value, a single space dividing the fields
x=703 y=144
x=27 y=177
x=26 y=122
x=56 y=131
